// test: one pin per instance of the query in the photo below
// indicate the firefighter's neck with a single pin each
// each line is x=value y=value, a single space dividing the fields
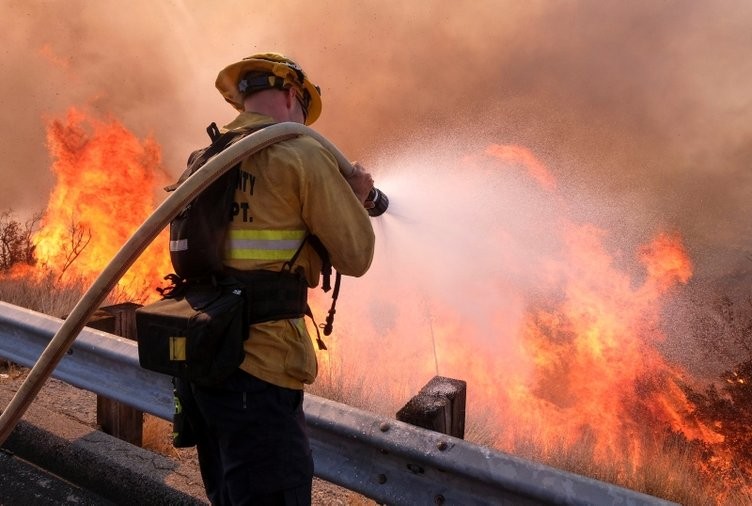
x=280 y=105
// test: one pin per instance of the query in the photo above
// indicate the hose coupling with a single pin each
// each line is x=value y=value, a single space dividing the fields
x=380 y=202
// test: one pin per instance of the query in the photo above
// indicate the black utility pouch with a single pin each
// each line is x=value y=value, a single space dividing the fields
x=195 y=333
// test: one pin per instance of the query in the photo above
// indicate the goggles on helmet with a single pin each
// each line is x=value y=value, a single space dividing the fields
x=257 y=81
x=264 y=71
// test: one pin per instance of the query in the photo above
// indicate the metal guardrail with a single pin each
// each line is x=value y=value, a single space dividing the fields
x=384 y=459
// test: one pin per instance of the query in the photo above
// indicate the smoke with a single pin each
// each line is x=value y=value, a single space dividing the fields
x=636 y=116
x=641 y=110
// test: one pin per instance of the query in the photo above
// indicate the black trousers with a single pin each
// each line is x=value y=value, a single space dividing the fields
x=251 y=439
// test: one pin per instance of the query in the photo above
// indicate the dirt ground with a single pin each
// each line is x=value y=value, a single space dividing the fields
x=81 y=406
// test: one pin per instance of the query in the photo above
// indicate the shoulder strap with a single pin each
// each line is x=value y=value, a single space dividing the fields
x=220 y=141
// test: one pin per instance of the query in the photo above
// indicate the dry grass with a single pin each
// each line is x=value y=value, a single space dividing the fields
x=47 y=295
x=44 y=295
x=670 y=472
x=157 y=437
x=354 y=390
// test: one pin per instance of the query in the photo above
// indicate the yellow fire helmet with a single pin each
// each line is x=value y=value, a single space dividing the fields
x=268 y=70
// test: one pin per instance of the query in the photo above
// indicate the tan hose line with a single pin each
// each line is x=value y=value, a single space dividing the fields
x=132 y=249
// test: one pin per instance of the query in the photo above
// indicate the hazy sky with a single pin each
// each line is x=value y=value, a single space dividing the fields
x=641 y=108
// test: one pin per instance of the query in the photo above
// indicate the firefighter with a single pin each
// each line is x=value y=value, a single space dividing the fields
x=250 y=430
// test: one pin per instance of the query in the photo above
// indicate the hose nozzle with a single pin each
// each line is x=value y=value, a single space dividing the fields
x=380 y=202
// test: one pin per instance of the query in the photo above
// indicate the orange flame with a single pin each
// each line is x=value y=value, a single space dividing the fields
x=105 y=183
x=596 y=368
x=666 y=261
x=524 y=157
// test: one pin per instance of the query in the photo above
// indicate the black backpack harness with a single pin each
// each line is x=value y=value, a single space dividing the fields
x=197 y=238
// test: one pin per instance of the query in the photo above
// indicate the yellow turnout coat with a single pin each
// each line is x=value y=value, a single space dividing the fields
x=286 y=191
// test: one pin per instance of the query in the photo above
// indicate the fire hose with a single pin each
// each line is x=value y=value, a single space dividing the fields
x=142 y=238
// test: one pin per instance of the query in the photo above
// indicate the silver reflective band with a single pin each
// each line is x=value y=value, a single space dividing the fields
x=179 y=245
x=249 y=244
x=279 y=244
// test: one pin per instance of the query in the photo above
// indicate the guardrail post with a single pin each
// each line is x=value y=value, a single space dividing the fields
x=115 y=418
x=439 y=406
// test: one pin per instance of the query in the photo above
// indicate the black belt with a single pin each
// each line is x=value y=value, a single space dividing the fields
x=273 y=295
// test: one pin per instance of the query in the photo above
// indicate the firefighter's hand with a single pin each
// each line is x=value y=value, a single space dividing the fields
x=361 y=183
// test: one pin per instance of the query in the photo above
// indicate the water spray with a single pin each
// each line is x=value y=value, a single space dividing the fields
x=142 y=238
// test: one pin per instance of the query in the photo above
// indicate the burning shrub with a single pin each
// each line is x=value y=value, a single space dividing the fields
x=728 y=410
x=16 y=246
